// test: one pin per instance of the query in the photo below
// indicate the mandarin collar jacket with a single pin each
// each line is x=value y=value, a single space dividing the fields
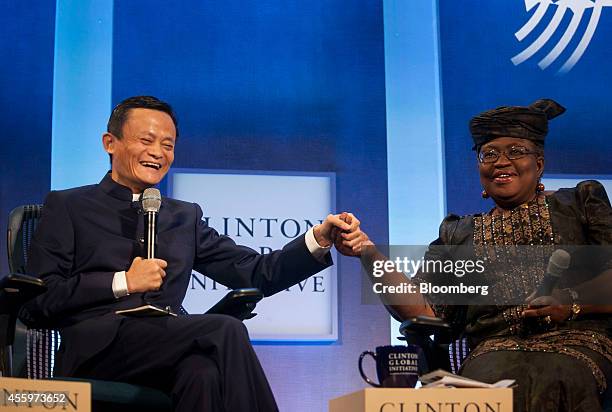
x=86 y=234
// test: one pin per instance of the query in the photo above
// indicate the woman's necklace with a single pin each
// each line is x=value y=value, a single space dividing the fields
x=496 y=211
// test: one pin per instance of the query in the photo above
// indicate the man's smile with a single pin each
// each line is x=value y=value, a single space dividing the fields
x=152 y=165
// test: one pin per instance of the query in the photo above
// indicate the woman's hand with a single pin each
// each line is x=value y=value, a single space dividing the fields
x=349 y=242
x=343 y=231
x=544 y=306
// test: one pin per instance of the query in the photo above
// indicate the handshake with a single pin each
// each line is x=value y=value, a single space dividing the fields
x=342 y=231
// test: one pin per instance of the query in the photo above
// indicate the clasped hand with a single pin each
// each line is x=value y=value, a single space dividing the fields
x=343 y=231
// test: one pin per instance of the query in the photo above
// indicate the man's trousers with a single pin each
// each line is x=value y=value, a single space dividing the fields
x=205 y=362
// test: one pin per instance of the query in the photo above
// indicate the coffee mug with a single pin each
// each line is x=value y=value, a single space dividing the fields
x=396 y=366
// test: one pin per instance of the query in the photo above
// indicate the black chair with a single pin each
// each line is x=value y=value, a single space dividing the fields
x=30 y=353
x=433 y=336
x=14 y=291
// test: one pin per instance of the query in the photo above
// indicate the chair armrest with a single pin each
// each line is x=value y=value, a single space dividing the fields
x=419 y=331
x=426 y=326
x=18 y=289
x=15 y=290
x=238 y=303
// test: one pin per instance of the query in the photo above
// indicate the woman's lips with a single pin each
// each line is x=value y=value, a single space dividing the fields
x=503 y=179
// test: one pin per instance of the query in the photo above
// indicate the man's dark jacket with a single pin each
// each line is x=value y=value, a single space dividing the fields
x=88 y=233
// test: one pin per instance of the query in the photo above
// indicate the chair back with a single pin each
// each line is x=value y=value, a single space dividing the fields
x=36 y=361
x=458 y=351
x=38 y=358
x=21 y=227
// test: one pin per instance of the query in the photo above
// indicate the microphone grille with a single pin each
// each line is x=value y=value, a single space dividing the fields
x=151 y=200
x=559 y=262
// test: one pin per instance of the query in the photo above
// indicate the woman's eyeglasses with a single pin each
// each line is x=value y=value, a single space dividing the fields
x=513 y=153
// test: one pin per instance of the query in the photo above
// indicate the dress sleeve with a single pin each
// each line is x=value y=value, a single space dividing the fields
x=592 y=198
x=597 y=211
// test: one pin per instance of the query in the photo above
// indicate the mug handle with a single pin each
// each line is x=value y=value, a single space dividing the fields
x=363 y=375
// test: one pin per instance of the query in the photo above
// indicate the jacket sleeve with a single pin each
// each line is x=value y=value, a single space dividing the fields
x=235 y=266
x=51 y=258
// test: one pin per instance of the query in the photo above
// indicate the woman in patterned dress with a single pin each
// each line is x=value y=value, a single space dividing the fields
x=557 y=347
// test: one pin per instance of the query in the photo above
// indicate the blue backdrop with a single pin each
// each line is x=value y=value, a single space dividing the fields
x=26 y=96
x=300 y=86
x=477 y=42
x=269 y=85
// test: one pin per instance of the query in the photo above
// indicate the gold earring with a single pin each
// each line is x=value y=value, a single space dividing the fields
x=484 y=194
x=540 y=187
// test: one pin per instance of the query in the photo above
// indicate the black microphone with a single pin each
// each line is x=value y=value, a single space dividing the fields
x=151 y=202
x=557 y=264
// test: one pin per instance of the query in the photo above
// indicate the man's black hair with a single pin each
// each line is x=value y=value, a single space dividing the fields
x=120 y=113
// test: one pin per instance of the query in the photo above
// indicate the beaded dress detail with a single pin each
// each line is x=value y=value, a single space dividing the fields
x=494 y=235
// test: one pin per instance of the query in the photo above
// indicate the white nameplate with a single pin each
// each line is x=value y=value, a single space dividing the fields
x=424 y=400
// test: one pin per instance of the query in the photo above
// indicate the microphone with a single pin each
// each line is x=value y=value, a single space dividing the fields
x=151 y=202
x=557 y=264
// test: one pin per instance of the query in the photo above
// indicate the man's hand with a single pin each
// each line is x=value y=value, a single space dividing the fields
x=145 y=275
x=343 y=231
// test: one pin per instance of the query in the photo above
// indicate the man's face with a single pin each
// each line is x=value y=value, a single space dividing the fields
x=143 y=156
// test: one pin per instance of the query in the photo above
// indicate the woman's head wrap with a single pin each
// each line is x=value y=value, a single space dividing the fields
x=530 y=122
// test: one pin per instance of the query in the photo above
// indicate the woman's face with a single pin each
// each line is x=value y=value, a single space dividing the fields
x=510 y=182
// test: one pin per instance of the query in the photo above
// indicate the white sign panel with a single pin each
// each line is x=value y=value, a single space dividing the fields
x=264 y=211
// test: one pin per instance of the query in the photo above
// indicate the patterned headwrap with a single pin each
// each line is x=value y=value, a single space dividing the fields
x=530 y=122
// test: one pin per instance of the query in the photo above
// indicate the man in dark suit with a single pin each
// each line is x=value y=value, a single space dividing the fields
x=88 y=246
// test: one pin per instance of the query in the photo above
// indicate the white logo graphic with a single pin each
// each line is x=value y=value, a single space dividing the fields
x=578 y=8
